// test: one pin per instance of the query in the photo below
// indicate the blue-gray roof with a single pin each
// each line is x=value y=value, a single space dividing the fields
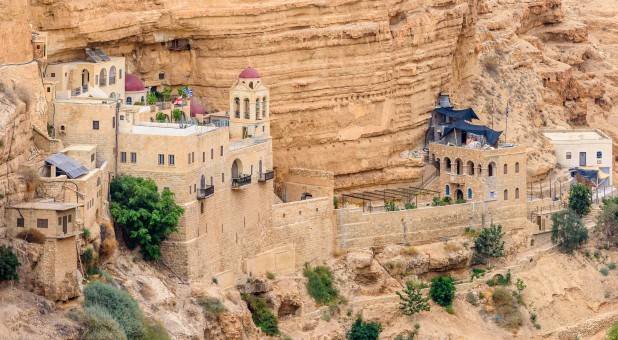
x=67 y=165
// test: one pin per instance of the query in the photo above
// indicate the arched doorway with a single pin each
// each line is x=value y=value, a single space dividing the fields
x=236 y=168
x=459 y=195
x=103 y=77
x=85 y=77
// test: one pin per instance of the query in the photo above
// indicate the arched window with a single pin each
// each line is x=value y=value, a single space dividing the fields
x=85 y=77
x=517 y=167
x=458 y=166
x=516 y=193
x=103 y=77
x=264 y=110
x=112 y=75
x=469 y=193
x=129 y=101
x=491 y=169
x=506 y=194
x=247 y=114
x=480 y=172
x=142 y=99
x=112 y=95
x=251 y=85
x=506 y=169
x=447 y=164
x=447 y=190
x=236 y=108
x=258 y=113
x=470 y=166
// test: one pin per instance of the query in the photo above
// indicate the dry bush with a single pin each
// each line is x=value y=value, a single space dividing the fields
x=409 y=251
x=31 y=177
x=108 y=248
x=452 y=247
x=506 y=309
x=32 y=236
x=340 y=252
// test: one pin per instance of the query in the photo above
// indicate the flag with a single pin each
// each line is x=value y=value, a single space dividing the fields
x=178 y=101
x=188 y=91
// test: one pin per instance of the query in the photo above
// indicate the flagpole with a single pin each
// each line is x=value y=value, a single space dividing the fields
x=506 y=129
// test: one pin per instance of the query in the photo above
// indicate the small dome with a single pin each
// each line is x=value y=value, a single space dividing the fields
x=132 y=83
x=196 y=108
x=249 y=72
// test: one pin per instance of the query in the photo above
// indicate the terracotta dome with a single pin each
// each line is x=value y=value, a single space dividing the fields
x=249 y=72
x=196 y=108
x=132 y=83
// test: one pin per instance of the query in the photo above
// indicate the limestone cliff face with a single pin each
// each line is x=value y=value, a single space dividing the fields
x=352 y=81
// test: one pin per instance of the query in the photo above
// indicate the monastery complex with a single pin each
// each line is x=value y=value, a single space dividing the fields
x=241 y=217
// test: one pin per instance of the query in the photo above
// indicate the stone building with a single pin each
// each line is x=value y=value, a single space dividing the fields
x=135 y=91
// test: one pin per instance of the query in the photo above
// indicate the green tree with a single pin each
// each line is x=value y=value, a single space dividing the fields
x=362 y=330
x=167 y=93
x=568 y=231
x=580 y=199
x=8 y=264
x=145 y=215
x=607 y=221
x=182 y=93
x=412 y=300
x=489 y=243
x=160 y=117
x=442 y=290
x=151 y=98
x=263 y=317
x=177 y=114
x=612 y=332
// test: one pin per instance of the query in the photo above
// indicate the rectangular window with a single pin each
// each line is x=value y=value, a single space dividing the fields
x=70 y=218
x=568 y=155
x=202 y=208
x=223 y=177
x=194 y=187
x=123 y=157
x=171 y=159
x=95 y=124
x=133 y=157
x=92 y=158
x=113 y=122
x=120 y=73
x=204 y=157
x=192 y=157
x=20 y=222
x=189 y=158
x=189 y=189
x=49 y=89
x=212 y=153
x=221 y=152
x=599 y=154
x=161 y=159
x=492 y=194
x=41 y=223
x=211 y=180
x=53 y=75
x=59 y=220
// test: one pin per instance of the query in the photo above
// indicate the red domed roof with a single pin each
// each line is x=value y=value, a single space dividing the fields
x=196 y=108
x=249 y=72
x=133 y=83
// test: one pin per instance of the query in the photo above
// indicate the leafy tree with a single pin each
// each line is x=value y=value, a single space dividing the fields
x=261 y=315
x=568 y=231
x=177 y=114
x=8 y=264
x=151 y=98
x=489 y=243
x=442 y=290
x=320 y=284
x=412 y=300
x=160 y=117
x=362 y=330
x=437 y=202
x=580 y=199
x=147 y=216
x=607 y=221
x=167 y=93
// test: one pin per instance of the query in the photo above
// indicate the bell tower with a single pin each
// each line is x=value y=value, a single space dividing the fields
x=249 y=106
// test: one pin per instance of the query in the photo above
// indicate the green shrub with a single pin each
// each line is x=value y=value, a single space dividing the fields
x=390 y=206
x=146 y=215
x=597 y=254
x=99 y=324
x=411 y=300
x=177 y=114
x=437 y=202
x=8 y=264
x=604 y=271
x=326 y=316
x=362 y=330
x=139 y=103
x=568 y=231
x=270 y=275
x=320 y=284
x=611 y=265
x=212 y=306
x=472 y=298
x=151 y=98
x=119 y=304
x=160 y=117
x=261 y=315
x=442 y=290
x=450 y=309
x=215 y=280
x=580 y=199
x=155 y=331
x=86 y=233
x=476 y=273
x=489 y=243
x=409 y=206
x=612 y=332
x=460 y=201
x=336 y=202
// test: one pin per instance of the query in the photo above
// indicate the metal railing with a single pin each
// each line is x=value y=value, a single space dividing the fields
x=79 y=90
x=164 y=105
x=241 y=181
x=203 y=193
x=266 y=176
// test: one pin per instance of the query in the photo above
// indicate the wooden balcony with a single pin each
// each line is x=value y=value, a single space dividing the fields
x=266 y=176
x=203 y=193
x=238 y=183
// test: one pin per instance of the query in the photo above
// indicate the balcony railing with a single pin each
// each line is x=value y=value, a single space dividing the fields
x=266 y=176
x=79 y=90
x=164 y=105
x=241 y=181
x=206 y=192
